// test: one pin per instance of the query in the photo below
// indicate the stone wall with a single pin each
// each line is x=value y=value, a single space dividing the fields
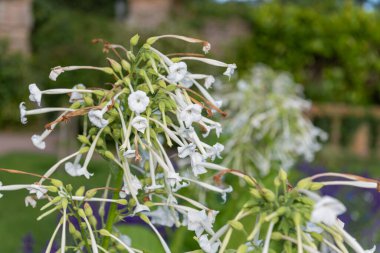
x=148 y=13
x=15 y=23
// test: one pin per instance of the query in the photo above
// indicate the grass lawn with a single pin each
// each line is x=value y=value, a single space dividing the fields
x=16 y=220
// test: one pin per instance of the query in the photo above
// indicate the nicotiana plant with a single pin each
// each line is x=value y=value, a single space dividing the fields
x=269 y=111
x=286 y=218
x=150 y=108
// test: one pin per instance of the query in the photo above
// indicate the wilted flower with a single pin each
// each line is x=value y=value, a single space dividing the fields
x=96 y=118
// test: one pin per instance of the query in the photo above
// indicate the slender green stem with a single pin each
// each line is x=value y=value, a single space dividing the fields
x=84 y=236
x=112 y=211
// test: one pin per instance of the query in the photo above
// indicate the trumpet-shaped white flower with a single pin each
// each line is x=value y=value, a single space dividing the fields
x=138 y=101
x=195 y=159
x=215 y=151
x=177 y=72
x=23 y=118
x=192 y=113
x=140 y=123
x=96 y=118
x=30 y=201
x=199 y=221
x=209 y=81
x=38 y=190
x=230 y=70
x=326 y=210
x=207 y=246
x=141 y=208
x=77 y=96
x=163 y=216
x=38 y=141
x=35 y=94
x=75 y=170
x=133 y=188
x=186 y=150
x=55 y=72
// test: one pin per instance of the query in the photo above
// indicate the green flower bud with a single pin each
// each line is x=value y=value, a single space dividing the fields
x=315 y=186
x=83 y=139
x=243 y=248
x=151 y=40
x=81 y=213
x=255 y=193
x=93 y=221
x=76 y=105
x=88 y=210
x=72 y=228
x=276 y=236
x=236 y=225
x=104 y=232
x=84 y=150
x=56 y=183
x=268 y=195
x=126 y=65
x=134 y=40
x=80 y=191
x=122 y=201
x=108 y=70
x=282 y=175
x=90 y=193
x=51 y=188
x=88 y=101
x=115 y=65
x=77 y=235
x=304 y=183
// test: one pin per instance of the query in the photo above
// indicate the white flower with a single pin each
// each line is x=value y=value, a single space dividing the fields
x=187 y=82
x=186 y=150
x=96 y=118
x=55 y=72
x=1 y=184
x=163 y=216
x=30 y=201
x=134 y=187
x=77 y=96
x=177 y=72
x=326 y=210
x=209 y=81
x=38 y=141
x=36 y=189
x=195 y=159
x=140 y=123
x=230 y=70
x=206 y=47
x=138 y=101
x=23 y=118
x=141 y=208
x=192 y=113
x=35 y=94
x=215 y=151
x=75 y=170
x=198 y=221
x=130 y=153
x=207 y=246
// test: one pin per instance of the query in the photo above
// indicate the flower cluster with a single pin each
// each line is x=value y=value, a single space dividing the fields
x=293 y=219
x=154 y=103
x=268 y=109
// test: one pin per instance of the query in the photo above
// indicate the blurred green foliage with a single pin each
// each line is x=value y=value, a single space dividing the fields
x=333 y=50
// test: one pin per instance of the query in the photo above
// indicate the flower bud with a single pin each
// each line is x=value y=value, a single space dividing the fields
x=72 y=228
x=90 y=193
x=108 y=70
x=83 y=139
x=315 y=186
x=236 y=225
x=151 y=40
x=104 y=232
x=268 y=195
x=81 y=213
x=243 y=248
x=126 y=65
x=84 y=150
x=276 y=236
x=76 y=105
x=80 y=191
x=282 y=175
x=109 y=155
x=51 y=188
x=93 y=221
x=56 y=183
x=88 y=101
x=115 y=65
x=122 y=202
x=134 y=40
x=304 y=183
x=88 y=210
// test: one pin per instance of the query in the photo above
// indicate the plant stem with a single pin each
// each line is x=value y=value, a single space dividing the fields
x=112 y=211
